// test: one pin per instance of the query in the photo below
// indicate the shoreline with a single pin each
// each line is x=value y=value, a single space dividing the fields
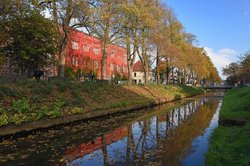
x=13 y=130
x=229 y=144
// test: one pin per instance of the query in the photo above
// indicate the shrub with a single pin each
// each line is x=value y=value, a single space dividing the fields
x=43 y=88
x=124 y=78
x=4 y=119
x=21 y=106
x=4 y=90
x=69 y=72
x=42 y=112
x=62 y=85
x=77 y=110
x=55 y=111
x=19 y=118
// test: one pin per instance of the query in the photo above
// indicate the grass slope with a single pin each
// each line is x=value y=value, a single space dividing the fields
x=27 y=100
x=230 y=145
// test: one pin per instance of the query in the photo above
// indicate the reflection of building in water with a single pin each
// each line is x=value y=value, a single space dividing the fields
x=143 y=141
x=86 y=148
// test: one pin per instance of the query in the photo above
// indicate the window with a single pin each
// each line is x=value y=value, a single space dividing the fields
x=95 y=64
x=118 y=68
x=134 y=74
x=74 y=45
x=112 y=67
x=124 y=69
x=97 y=51
x=120 y=57
x=86 y=47
x=75 y=61
x=125 y=58
x=84 y=61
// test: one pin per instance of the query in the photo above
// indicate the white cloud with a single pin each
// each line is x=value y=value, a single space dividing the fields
x=222 y=58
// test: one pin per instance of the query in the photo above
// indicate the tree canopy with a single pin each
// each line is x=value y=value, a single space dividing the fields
x=148 y=29
x=28 y=38
x=238 y=72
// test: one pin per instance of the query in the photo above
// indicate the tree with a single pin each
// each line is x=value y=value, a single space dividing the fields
x=66 y=15
x=148 y=17
x=233 y=73
x=245 y=64
x=105 y=24
x=28 y=42
x=238 y=72
x=130 y=26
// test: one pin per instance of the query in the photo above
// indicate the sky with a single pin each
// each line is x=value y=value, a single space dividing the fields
x=222 y=27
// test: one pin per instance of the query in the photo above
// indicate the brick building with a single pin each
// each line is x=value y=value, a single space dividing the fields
x=85 y=52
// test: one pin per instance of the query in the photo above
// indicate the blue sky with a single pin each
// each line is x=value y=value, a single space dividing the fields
x=222 y=27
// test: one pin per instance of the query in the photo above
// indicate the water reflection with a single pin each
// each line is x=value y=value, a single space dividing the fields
x=159 y=137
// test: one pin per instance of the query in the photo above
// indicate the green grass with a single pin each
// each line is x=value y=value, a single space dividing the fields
x=27 y=100
x=236 y=104
x=230 y=145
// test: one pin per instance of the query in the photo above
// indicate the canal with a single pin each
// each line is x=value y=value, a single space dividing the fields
x=176 y=133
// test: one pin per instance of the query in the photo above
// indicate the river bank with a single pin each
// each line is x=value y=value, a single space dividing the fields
x=230 y=142
x=154 y=136
x=28 y=105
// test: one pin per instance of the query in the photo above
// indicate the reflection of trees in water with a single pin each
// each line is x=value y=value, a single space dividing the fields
x=180 y=140
x=164 y=144
x=183 y=124
x=162 y=136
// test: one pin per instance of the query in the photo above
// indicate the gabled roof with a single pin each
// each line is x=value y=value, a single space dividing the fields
x=138 y=66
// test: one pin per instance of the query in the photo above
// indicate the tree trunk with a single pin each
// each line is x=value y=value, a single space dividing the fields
x=185 y=75
x=146 y=74
x=104 y=58
x=157 y=67
x=61 y=67
x=129 y=60
x=172 y=71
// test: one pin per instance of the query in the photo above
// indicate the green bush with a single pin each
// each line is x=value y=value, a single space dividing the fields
x=55 y=110
x=4 y=119
x=62 y=85
x=4 y=90
x=69 y=72
x=43 y=112
x=42 y=88
x=21 y=106
x=19 y=118
x=77 y=110
x=55 y=113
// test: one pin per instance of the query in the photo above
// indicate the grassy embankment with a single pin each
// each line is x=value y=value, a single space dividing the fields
x=230 y=142
x=27 y=100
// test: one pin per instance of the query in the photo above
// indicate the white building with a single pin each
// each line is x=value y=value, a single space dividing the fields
x=138 y=74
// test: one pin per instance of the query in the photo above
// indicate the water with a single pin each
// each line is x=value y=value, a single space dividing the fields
x=173 y=134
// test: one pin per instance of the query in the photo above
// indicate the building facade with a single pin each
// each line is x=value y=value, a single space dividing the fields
x=85 y=52
x=138 y=74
